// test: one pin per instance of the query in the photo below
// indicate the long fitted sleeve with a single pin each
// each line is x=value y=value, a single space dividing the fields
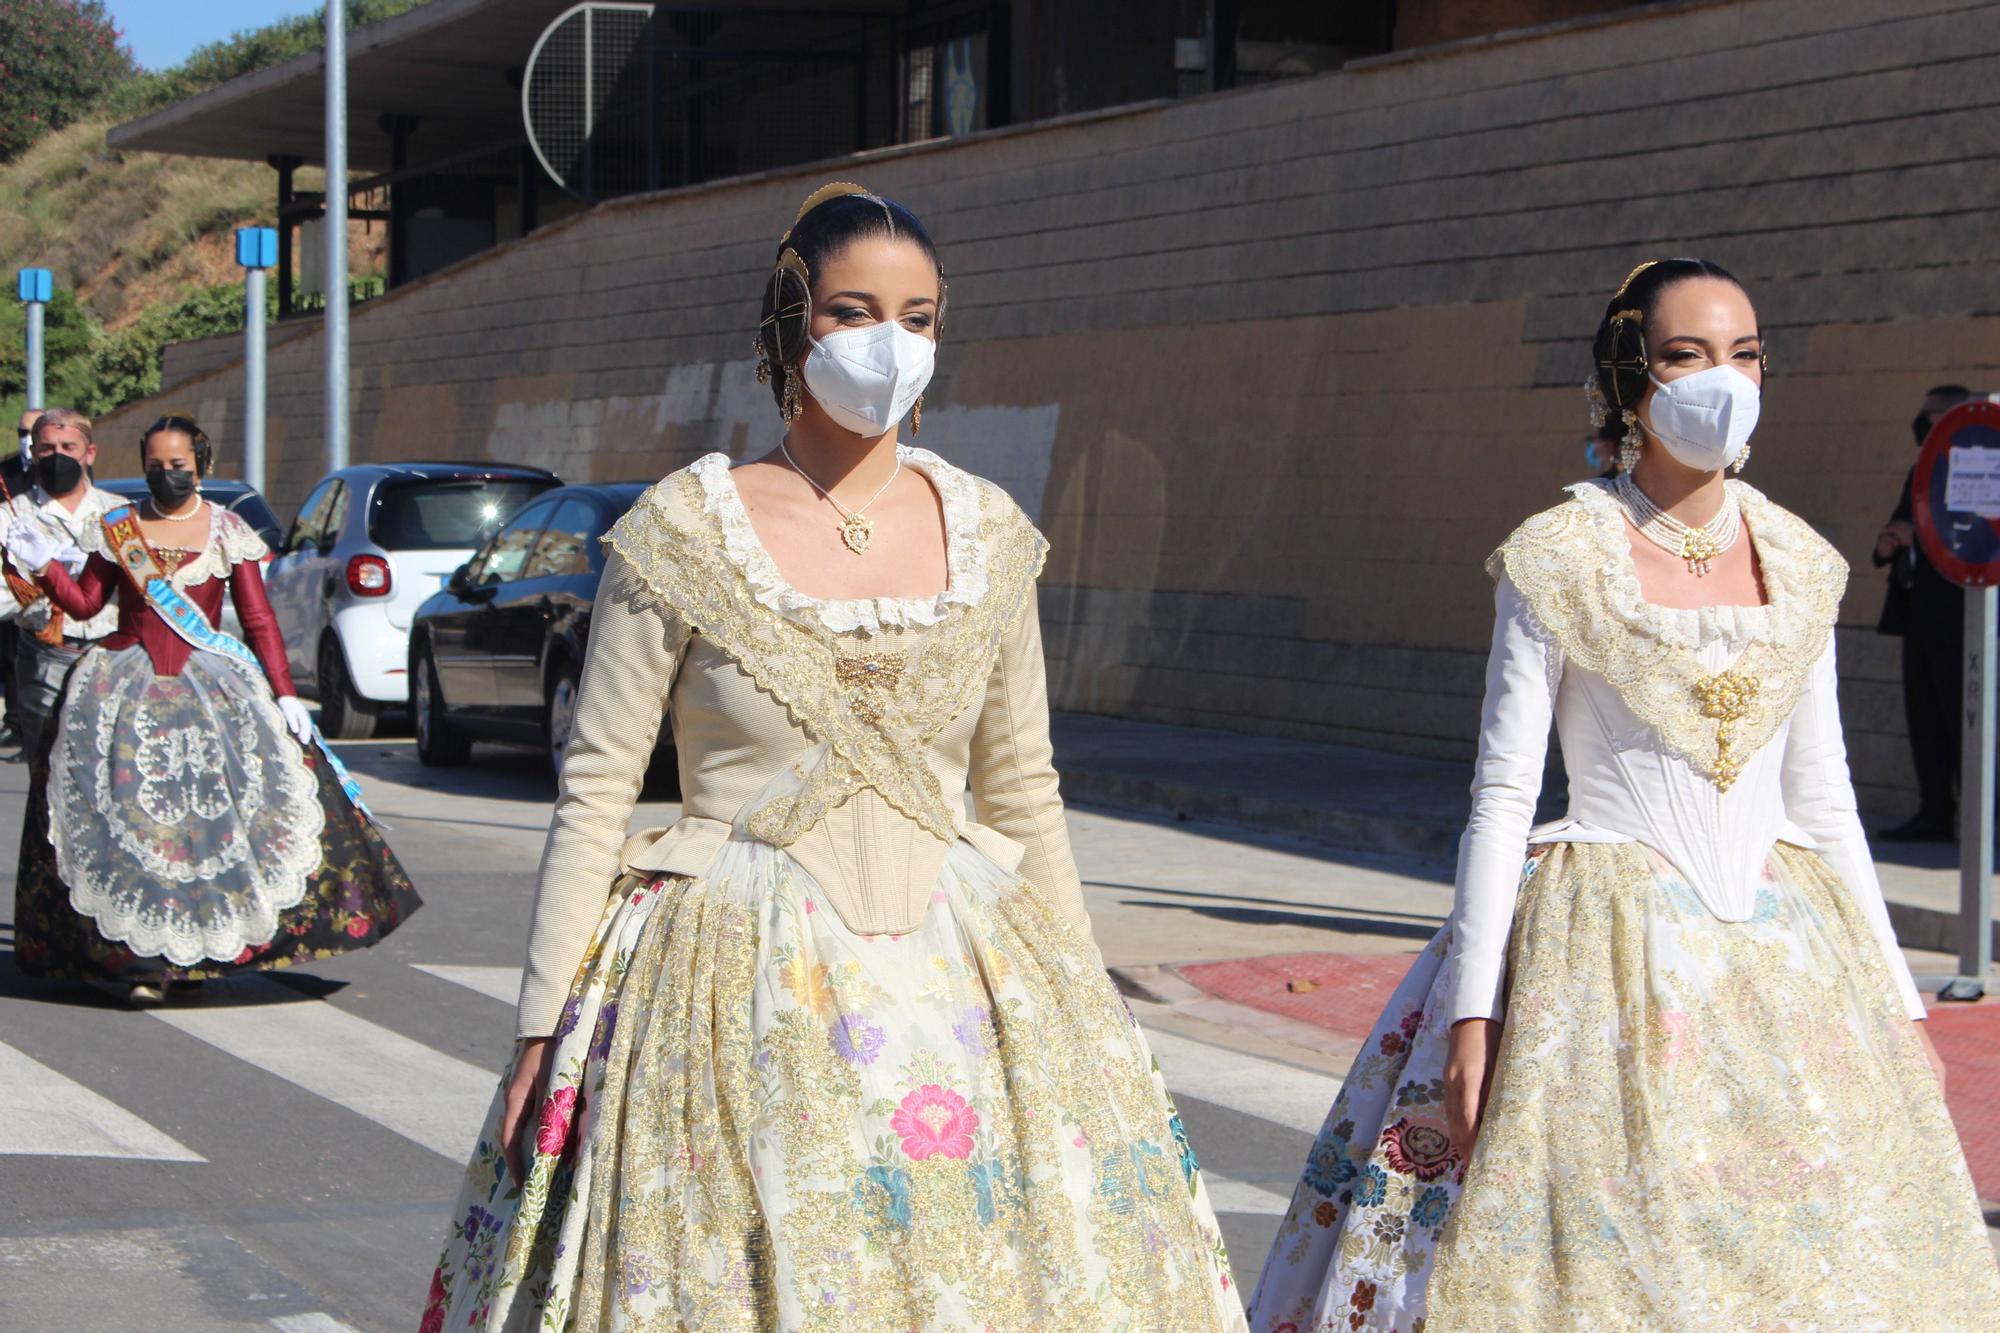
x=1521 y=671
x=85 y=595
x=1012 y=772
x=1819 y=798
x=260 y=625
x=635 y=649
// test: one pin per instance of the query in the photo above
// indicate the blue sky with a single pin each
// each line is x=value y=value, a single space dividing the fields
x=162 y=32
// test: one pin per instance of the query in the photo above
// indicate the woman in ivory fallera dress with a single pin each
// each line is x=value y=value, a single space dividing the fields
x=1671 y=1073
x=827 y=1054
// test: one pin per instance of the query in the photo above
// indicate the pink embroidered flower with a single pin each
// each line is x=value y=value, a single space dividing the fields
x=1392 y=1043
x=556 y=1112
x=434 y=1310
x=357 y=926
x=935 y=1119
x=1418 y=1147
x=1412 y=1021
x=1680 y=1038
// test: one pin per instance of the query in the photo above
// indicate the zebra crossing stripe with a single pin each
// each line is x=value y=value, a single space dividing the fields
x=44 y=1114
x=428 y=1097
x=311 y=1323
x=499 y=983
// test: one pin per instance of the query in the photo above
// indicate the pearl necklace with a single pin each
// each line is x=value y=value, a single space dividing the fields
x=192 y=514
x=856 y=528
x=1698 y=546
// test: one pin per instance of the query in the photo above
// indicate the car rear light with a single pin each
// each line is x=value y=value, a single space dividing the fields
x=368 y=576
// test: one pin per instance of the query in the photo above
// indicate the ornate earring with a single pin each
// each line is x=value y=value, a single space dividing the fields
x=1630 y=447
x=1742 y=461
x=917 y=415
x=791 y=409
x=763 y=366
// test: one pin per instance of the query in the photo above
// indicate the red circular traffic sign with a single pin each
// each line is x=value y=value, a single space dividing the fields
x=1963 y=544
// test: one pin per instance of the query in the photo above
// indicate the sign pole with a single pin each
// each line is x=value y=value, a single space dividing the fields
x=333 y=329
x=35 y=286
x=1955 y=494
x=1975 y=803
x=256 y=251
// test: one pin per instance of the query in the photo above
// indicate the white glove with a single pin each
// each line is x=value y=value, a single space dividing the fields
x=31 y=548
x=297 y=718
x=72 y=558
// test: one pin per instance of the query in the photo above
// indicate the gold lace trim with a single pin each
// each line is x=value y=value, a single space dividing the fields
x=875 y=701
x=1573 y=566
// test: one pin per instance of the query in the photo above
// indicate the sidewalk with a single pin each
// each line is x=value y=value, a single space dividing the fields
x=1357 y=800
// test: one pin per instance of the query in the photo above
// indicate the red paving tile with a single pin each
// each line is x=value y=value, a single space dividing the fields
x=1968 y=1037
x=1351 y=989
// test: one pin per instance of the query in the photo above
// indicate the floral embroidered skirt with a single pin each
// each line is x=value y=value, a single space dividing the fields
x=758 y=1119
x=1694 y=1124
x=176 y=831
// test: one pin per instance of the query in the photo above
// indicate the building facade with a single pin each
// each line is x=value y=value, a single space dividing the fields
x=1276 y=368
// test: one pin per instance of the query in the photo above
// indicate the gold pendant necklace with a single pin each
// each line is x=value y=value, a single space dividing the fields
x=856 y=528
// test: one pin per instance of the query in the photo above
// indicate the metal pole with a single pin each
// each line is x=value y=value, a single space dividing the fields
x=334 y=330
x=1975 y=801
x=35 y=354
x=253 y=378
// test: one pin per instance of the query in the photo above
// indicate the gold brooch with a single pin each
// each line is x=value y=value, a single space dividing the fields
x=867 y=675
x=1727 y=698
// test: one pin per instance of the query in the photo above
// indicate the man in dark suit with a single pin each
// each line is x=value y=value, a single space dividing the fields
x=1927 y=611
x=15 y=479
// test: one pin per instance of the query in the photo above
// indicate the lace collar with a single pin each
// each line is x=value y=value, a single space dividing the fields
x=231 y=542
x=965 y=553
x=1573 y=565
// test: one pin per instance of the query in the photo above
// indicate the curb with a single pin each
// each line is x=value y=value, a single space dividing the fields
x=1431 y=839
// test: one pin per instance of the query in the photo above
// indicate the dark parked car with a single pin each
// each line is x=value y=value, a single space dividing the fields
x=497 y=654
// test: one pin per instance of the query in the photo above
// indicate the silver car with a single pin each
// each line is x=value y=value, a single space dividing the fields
x=369 y=546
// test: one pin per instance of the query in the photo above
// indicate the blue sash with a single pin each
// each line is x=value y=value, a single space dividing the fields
x=121 y=527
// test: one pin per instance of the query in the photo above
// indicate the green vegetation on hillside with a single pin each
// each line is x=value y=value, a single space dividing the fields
x=141 y=243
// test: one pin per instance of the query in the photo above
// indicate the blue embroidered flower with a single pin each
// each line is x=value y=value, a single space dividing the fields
x=571 y=1012
x=984 y=1175
x=1373 y=1189
x=1328 y=1166
x=883 y=1194
x=1189 y=1167
x=607 y=1023
x=1431 y=1208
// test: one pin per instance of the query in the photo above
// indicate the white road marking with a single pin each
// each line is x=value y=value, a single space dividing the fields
x=44 y=1114
x=499 y=983
x=1279 y=1093
x=1239 y=1196
x=426 y=1096
x=311 y=1323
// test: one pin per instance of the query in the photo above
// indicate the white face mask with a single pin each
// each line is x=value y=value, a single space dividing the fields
x=866 y=379
x=1706 y=418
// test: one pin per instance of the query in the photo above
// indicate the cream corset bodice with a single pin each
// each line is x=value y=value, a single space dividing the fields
x=1708 y=736
x=846 y=733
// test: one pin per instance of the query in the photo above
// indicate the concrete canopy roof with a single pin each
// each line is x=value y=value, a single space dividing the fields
x=447 y=62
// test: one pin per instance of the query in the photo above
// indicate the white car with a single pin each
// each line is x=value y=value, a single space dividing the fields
x=370 y=545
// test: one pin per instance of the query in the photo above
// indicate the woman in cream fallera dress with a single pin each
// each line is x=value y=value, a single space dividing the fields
x=1711 y=1108
x=829 y=1054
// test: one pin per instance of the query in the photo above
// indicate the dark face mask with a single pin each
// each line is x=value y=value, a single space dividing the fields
x=170 y=486
x=58 y=474
x=1921 y=428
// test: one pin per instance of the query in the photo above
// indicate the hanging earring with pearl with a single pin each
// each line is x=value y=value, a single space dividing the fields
x=1631 y=446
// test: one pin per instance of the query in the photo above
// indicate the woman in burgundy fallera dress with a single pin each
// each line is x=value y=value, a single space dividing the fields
x=182 y=821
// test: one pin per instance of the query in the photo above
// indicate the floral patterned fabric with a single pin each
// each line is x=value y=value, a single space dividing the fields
x=1694 y=1124
x=758 y=1119
x=176 y=753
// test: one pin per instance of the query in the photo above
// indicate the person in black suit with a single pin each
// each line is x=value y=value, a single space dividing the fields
x=1927 y=611
x=15 y=479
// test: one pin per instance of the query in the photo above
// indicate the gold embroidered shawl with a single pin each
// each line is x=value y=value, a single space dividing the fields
x=874 y=701
x=1574 y=567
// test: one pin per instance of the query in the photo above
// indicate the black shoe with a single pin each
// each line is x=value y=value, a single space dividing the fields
x=1919 y=828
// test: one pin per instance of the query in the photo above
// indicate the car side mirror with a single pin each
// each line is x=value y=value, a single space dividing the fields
x=459 y=582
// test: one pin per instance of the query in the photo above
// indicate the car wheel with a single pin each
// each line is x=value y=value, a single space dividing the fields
x=439 y=744
x=560 y=715
x=342 y=716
